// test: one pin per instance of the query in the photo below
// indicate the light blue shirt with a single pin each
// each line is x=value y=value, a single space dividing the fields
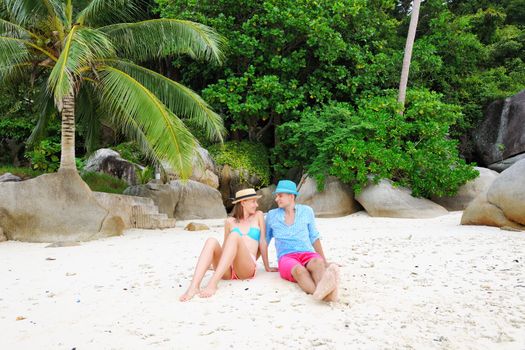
x=295 y=238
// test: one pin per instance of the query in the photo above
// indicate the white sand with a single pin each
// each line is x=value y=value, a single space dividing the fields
x=415 y=284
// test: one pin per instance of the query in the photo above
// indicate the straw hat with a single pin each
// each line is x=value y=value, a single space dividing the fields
x=245 y=194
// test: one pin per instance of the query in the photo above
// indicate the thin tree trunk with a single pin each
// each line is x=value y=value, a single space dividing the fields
x=67 y=156
x=408 y=53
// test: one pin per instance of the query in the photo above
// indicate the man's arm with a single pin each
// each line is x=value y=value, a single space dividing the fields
x=319 y=248
x=263 y=245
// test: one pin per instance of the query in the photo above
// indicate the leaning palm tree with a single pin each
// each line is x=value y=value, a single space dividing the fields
x=408 y=53
x=86 y=61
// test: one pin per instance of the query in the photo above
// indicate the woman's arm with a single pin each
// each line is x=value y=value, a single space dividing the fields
x=227 y=229
x=263 y=245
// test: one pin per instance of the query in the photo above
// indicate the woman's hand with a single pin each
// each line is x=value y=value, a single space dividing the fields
x=271 y=269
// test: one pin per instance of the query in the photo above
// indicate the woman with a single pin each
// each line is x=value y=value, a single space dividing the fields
x=244 y=240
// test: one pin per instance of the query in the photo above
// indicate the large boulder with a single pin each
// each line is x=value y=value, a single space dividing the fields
x=501 y=135
x=162 y=194
x=54 y=207
x=385 y=200
x=506 y=163
x=204 y=169
x=468 y=191
x=481 y=212
x=2 y=236
x=232 y=180
x=197 y=201
x=187 y=200
x=267 y=201
x=108 y=161
x=508 y=192
x=503 y=204
x=336 y=199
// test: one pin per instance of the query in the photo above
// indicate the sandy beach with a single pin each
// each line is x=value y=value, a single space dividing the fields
x=406 y=284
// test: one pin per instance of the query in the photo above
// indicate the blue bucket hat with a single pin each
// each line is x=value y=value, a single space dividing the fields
x=286 y=186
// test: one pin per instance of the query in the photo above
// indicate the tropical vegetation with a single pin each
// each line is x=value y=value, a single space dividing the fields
x=313 y=82
x=82 y=62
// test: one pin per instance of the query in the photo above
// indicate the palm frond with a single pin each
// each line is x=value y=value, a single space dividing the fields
x=106 y=12
x=13 y=55
x=137 y=107
x=88 y=118
x=14 y=30
x=155 y=38
x=31 y=11
x=44 y=103
x=181 y=100
x=82 y=47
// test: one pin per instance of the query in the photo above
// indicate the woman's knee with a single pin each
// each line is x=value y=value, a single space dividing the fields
x=212 y=242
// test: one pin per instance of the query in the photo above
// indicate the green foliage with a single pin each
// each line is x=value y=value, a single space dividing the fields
x=285 y=55
x=83 y=60
x=45 y=155
x=250 y=156
x=374 y=140
x=146 y=174
x=101 y=182
x=130 y=151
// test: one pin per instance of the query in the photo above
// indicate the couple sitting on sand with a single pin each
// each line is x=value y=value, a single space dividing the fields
x=247 y=235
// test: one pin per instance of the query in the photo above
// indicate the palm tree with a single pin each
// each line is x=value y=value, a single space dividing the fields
x=408 y=53
x=86 y=63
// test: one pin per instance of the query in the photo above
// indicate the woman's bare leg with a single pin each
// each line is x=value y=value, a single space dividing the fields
x=210 y=254
x=234 y=252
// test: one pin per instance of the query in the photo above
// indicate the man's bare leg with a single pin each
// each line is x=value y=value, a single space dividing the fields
x=328 y=283
x=334 y=295
x=211 y=253
x=317 y=268
x=303 y=278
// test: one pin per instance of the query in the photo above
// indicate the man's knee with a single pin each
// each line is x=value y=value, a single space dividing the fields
x=299 y=271
x=315 y=263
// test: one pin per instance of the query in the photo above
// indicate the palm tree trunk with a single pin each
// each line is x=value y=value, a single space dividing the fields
x=408 y=53
x=67 y=156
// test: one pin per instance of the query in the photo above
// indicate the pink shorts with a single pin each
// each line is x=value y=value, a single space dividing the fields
x=287 y=263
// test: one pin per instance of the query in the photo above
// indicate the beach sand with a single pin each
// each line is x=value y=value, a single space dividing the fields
x=406 y=284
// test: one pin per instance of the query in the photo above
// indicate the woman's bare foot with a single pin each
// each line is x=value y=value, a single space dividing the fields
x=208 y=291
x=334 y=295
x=189 y=294
x=327 y=284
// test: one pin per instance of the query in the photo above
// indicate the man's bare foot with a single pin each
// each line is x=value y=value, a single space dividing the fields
x=327 y=284
x=208 y=291
x=334 y=295
x=189 y=294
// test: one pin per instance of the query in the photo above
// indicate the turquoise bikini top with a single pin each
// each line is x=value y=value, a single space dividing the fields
x=254 y=232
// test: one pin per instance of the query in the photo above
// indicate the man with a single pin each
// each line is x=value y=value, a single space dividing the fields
x=299 y=250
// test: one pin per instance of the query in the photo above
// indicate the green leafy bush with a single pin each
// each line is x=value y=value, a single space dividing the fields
x=249 y=156
x=374 y=139
x=45 y=155
x=101 y=182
